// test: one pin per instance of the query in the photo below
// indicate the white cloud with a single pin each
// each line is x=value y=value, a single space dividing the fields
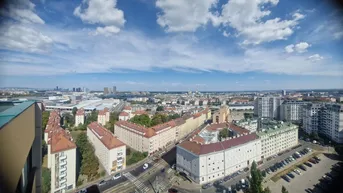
x=107 y=31
x=23 y=38
x=247 y=18
x=226 y=34
x=185 y=16
x=102 y=12
x=289 y=48
x=315 y=57
x=338 y=35
x=302 y=47
x=21 y=10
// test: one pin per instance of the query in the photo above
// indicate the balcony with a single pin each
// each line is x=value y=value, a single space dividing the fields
x=63 y=174
x=63 y=163
x=63 y=169
x=63 y=157
x=63 y=181
x=119 y=163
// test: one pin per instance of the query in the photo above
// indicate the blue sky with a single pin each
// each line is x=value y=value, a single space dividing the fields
x=171 y=44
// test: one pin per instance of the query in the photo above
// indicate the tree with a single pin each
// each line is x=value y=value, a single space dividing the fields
x=314 y=136
x=224 y=133
x=143 y=120
x=68 y=120
x=92 y=117
x=44 y=148
x=45 y=119
x=339 y=150
x=74 y=111
x=89 y=162
x=109 y=127
x=248 y=115
x=160 y=108
x=174 y=116
x=284 y=190
x=267 y=190
x=256 y=180
x=46 y=180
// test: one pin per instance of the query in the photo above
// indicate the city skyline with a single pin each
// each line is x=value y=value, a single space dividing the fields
x=168 y=46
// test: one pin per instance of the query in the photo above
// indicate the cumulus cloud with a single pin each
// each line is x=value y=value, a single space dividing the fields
x=289 y=48
x=315 y=57
x=23 y=38
x=185 y=16
x=300 y=47
x=22 y=11
x=103 y=12
x=247 y=18
x=226 y=34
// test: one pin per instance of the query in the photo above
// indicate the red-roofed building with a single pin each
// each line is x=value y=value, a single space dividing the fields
x=124 y=116
x=110 y=151
x=205 y=162
x=104 y=116
x=61 y=155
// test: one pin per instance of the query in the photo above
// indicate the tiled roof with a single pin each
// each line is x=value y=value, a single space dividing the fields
x=61 y=141
x=198 y=139
x=150 y=133
x=103 y=112
x=238 y=129
x=199 y=149
x=105 y=136
x=125 y=114
x=164 y=126
x=131 y=126
x=197 y=115
x=127 y=108
x=179 y=121
x=139 y=112
x=217 y=126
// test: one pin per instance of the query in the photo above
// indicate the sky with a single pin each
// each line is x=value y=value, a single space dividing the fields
x=171 y=45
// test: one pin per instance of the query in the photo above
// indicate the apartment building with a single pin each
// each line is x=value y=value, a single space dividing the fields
x=20 y=146
x=326 y=119
x=110 y=151
x=104 y=116
x=267 y=107
x=160 y=136
x=206 y=162
x=292 y=111
x=80 y=117
x=61 y=155
x=249 y=124
x=276 y=137
x=124 y=116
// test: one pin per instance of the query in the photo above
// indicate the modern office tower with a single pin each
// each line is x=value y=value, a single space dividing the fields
x=20 y=146
x=267 y=107
x=114 y=89
x=106 y=91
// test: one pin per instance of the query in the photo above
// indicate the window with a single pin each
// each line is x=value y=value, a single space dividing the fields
x=70 y=187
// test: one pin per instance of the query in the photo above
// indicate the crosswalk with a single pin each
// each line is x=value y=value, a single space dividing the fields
x=136 y=182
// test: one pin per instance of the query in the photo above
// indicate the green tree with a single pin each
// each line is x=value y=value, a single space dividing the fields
x=89 y=162
x=248 y=115
x=69 y=120
x=174 y=116
x=284 y=190
x=45 y=119
x=143 y=120
x=44 y=148
x=339 y=150
x=109 y=127
x=160 y=108
x=114 y=117
x=224 y=133
x=93 y=116
x=314 y=136
x=74 y=111
x=267 y=190
x=255 y=180
x=46 y=180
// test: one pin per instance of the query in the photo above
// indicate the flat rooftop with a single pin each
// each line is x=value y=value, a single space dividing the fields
x=275 y=126
x=10 y=110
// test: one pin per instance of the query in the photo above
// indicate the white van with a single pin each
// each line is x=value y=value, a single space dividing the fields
x=116 y=176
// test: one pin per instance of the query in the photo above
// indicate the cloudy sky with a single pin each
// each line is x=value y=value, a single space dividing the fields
x=171 y=44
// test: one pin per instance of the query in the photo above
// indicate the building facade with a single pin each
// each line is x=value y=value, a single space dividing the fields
x=267 y=107
x=292 y=111
x=21 y=146
x=204 y=163
x=104 y=116
x=223 y=115
x=110 y=151
x=61 y=155
x=276 y=137
x=80 y=117
x=326 y=119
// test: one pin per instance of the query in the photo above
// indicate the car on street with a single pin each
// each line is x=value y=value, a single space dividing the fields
x=238 y=186
x=313 y=161
x=173 y=166
x=216 y=183
x=205 y=186
x=227 y=178
x=285 y=178
x=145 y=166
x=316 y=158
x=102 y=182
x=297 y=171
x=116 y=176
x=172 y=190
x=308 y=164
x=83 y=191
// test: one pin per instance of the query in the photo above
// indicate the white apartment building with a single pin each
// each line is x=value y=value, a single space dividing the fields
x=204 y=163
x=249 y=124
x=292 y=111
x=267 y=107
x=110 y=151
x=324 y=118
x=104 y=116
x=277 y=137
x=61 y=156
x=124 y=116
x=80 y=117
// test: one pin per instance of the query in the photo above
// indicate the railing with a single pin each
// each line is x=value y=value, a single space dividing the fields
x=63 y=169
x=63 y=157
x=63 y=181
x=63 y=174
x=62 y=163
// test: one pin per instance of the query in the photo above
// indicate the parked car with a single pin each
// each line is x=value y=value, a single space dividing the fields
x=172 y=190
x=313 y=161
x=302 y=167
x=173 y=166
x=145 y=166
x=238 y=186
x=227 y=178
x=102 y=182
x=316 y=158
x=297 y=171
x=218 y=182
x=205 y=186
x=116 y=176
x=308 y=164
x=83 y=191
x=285 y=178
x=290 y=175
